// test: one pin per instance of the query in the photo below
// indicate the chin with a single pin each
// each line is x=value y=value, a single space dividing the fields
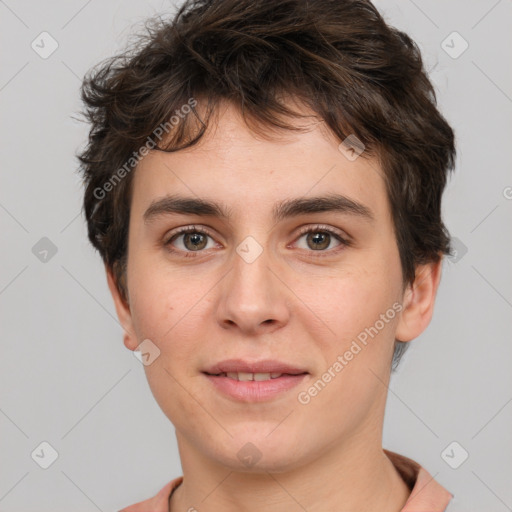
x=260 y=454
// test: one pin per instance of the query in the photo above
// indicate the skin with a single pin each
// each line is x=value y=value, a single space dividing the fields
x=294 y=303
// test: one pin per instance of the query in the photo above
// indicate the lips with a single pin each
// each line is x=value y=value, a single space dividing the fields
x=254 y=381
x=247 y=376
x=242 y=368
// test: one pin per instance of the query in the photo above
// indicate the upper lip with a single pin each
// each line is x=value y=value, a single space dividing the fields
x=265 y=366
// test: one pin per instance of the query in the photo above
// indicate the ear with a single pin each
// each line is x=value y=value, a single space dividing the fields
x=123 y=312
x=418 y=303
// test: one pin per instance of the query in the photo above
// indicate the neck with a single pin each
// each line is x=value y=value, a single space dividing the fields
x=354 y=477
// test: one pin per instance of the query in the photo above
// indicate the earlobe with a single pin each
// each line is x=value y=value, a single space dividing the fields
x=419 y=300
x=128 y=341
x=123 y=312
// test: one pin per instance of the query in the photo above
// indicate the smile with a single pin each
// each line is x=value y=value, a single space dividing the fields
x=246 y=376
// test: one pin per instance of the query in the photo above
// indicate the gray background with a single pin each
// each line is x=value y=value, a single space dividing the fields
x=66 y=377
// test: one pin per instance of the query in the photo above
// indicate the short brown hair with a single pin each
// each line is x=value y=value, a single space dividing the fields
x=338 y=57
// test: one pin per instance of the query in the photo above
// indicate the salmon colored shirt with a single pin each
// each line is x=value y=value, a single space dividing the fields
x=426 y=494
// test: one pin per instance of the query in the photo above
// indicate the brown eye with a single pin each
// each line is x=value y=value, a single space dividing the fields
x=189 y=240
x=194 y=241
x=318 y=240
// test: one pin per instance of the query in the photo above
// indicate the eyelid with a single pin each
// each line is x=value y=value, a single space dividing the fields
x=184 y=230
x=342 y=235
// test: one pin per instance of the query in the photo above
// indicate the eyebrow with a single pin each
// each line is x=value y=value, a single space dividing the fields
x=175 y=204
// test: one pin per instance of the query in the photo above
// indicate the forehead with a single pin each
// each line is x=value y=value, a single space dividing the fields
x=253 y=172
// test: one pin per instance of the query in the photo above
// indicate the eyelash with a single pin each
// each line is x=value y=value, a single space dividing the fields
x=308 y=229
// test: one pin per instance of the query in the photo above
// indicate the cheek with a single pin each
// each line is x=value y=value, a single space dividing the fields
x=172 y=309
x=162 y=298
x=356 y=359
x=163 y=311
x=370 y=305
x=351 y=300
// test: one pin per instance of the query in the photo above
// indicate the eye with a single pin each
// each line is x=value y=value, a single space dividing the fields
x=189 y=239
x=320 y=238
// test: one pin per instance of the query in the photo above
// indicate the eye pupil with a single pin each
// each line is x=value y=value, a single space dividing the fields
x=195 y=239
x=319 y=239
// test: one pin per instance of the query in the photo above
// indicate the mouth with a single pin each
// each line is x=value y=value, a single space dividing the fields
x=246 y=376
x=254 y=382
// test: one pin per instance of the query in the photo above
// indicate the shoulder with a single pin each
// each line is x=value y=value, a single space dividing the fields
x=426 y=493
x=159 y=502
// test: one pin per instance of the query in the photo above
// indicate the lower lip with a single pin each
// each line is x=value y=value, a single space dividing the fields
x=253 y=390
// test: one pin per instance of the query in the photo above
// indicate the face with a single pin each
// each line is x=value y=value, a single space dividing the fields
x=303 y=296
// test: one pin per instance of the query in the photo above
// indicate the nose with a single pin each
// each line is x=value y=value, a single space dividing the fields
x=253 y=299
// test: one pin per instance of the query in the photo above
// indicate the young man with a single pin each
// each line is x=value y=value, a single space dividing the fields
x=264 y=182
